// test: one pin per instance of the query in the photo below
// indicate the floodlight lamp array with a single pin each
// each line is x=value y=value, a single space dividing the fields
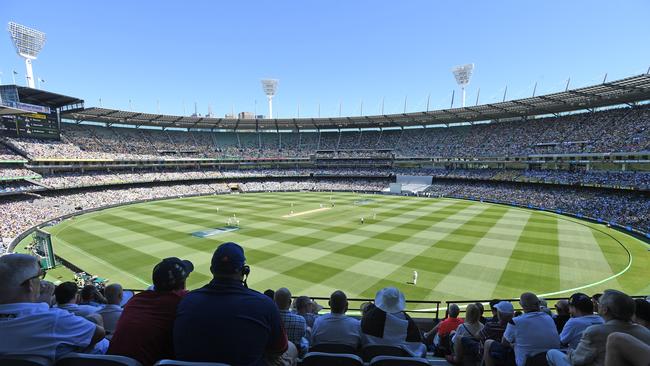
x=463 y=74
x=28 y=41
x=270 y=86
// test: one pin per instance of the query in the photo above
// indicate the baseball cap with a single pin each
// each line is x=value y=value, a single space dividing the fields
x=170 y=272
x=504 y=307
x=228 y=258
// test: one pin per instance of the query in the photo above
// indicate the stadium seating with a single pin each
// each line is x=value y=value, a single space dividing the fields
x=83 y=359
x=369 y=352
x=24 y=361
x=328 y=359
x=187 y=363
x=333 y=348
x=398 y=361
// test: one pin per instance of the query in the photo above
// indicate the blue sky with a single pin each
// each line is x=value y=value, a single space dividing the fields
x=327 y=52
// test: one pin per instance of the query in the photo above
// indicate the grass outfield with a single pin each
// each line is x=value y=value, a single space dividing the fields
x=461 y=249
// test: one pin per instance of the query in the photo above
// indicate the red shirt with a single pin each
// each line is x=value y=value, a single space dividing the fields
x=144 y=331
x=448 y=325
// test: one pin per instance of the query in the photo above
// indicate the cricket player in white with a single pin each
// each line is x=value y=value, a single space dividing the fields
x=415 y=277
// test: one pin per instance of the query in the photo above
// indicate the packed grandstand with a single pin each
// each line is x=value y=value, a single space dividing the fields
x=586 y=163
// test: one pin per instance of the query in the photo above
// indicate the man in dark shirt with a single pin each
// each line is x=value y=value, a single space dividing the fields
x=224 y=321
x=492 y=333
x=144 y=330
x=563 y=315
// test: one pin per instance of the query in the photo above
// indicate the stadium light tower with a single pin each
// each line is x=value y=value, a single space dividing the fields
x=270 y=86
x=463 y=74
x=28 y=42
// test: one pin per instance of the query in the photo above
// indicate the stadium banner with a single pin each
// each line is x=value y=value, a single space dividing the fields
x=415 y=179
x=395 y=188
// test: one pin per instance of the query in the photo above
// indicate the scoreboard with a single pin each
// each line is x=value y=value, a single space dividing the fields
x=36 y=125
x=36 y=112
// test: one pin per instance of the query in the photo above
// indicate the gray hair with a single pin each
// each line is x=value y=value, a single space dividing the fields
x=618 y=305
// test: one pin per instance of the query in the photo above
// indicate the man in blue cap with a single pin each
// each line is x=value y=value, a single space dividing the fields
x=224 y=321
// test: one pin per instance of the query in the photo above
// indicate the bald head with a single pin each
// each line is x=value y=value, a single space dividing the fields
x=338 y=302
x=113 y=294
x=282 y=298
x=19 y=278
x=529 y=302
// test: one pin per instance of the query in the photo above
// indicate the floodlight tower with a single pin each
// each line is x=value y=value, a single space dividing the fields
x=463 y=74
x=270 y=86
x=28 y=42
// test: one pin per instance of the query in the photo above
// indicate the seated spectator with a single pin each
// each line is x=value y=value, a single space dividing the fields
x=595 y=298
x=562 y=314
x=386 y=323
x=47 y=293
x=112 y=311
x=531 y=333
x=642 y=312
x=617 y=310
x=66 y=299
x=295 y=325
x=224 y=321
x=582 y=317
x=624 y=349
x=28 y=327
x=90 y=295
x=442 y=330
x=336 y=327
x=270 y=293
x=494 y=318
x=144 y=329
x=303 y=305
x=491 y=349
x=470 y=328
x=481 y=310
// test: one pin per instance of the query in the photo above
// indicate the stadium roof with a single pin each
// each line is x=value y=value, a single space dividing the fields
x=629 y=90
x=45 y=98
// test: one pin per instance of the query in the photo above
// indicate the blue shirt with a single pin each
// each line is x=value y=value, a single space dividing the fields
x=35 y=329
x=572 y=331
x=226 y=322
x=79 y=310
x=531 y=333
x=337 y=329
x=295 y=326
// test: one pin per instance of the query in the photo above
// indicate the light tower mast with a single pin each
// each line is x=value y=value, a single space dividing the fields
x=463 y=74
x=270 y=86
x=28 y=42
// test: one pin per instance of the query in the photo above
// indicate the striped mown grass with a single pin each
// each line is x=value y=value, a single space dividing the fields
x=461 y=249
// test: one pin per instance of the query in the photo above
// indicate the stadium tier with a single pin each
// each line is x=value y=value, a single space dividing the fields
x=624 y=130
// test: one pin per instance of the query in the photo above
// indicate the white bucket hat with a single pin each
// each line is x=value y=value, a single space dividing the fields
x=390 y=300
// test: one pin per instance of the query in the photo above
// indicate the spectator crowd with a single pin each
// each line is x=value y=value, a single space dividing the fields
x=225 y=321
x=627 y=130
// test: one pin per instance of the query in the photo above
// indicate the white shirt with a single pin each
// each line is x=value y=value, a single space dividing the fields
x=336 y=328
x=79 y=310
x=531 y=333
x=110 y=314
x=35 y=329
